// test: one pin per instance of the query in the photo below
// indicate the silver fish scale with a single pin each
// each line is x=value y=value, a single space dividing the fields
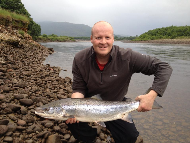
x=88 y=110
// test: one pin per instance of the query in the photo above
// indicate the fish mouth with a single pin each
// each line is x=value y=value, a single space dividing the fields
x=39 y=110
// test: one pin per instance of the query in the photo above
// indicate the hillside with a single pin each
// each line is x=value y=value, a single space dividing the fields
x=65 y=29
x=172 y=32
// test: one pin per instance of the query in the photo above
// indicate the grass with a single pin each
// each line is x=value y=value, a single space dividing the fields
x=11 y=15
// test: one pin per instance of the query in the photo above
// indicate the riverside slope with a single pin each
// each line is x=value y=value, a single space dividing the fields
x=25 y=83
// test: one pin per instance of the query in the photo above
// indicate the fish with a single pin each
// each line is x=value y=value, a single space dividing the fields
x=89 y=110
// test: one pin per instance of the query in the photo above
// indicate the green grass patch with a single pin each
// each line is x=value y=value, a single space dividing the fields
x=54 y=38
x=13 y=16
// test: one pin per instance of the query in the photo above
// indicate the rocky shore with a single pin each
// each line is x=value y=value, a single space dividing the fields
x=25 y=83
x=162 y=41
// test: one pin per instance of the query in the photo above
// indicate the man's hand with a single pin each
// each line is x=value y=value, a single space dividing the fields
x=74 y=95
x=146 y=101
x=71 y=120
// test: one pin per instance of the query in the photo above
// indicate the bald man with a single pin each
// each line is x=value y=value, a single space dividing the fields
x=106 y=69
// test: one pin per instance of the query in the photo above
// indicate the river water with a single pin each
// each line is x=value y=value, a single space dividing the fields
x=168 y=125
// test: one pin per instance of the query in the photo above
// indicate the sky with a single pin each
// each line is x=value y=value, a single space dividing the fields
x=127 y=17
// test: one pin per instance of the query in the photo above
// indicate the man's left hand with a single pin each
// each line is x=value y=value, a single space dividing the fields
x=146 y=101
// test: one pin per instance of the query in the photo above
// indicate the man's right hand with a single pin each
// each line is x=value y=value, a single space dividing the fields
x=71 y=120
x=74 y=95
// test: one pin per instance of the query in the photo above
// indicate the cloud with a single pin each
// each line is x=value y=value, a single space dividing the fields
x=128 y=17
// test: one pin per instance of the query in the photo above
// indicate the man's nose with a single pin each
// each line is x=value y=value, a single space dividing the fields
x=103 y=41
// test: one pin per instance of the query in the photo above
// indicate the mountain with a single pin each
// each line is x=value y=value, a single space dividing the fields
x=65 y=29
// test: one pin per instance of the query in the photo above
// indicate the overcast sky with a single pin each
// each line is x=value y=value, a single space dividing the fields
x=128 y=17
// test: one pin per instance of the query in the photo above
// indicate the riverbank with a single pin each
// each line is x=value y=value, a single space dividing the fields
x=161 y=41
x=25 y=83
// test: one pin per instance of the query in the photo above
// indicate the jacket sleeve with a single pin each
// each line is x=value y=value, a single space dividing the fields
x=79 y=85
x=152 y=66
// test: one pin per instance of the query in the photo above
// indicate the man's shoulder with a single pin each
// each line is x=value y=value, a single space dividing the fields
x=123 y=52
x=83 y=54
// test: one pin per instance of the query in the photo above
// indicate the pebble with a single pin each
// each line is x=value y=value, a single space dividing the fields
x=21 y=122
x=2 y=97
x=54 y=139
x=14 y=107
x=8 y=139
x=67 y=136
x=27 y=102
x=3 y=129
x=4 y=122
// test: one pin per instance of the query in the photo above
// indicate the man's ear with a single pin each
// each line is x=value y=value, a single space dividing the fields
x=91 y=38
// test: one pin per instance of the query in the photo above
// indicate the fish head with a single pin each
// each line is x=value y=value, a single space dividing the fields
x=51 y=112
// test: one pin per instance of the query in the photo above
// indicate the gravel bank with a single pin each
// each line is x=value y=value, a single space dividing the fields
x=25 y=83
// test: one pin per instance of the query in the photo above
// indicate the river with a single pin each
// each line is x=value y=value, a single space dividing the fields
x=171 y=124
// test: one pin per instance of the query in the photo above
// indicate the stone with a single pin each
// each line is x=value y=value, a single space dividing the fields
x=21 y=122
x=4 y=122
x=2 y=97
x=3 y=129
x=14 y=107
x=18 y=96
x=12 y=127
x=67 y=136
x=27 y=102
x=54 y=139
x=8 y=139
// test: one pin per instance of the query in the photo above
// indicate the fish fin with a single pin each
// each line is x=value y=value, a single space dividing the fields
x=97 y=97
x=156 y=105
x=101 y=124
x=127 y=117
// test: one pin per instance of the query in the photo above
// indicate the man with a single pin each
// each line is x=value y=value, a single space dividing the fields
x=106 y=69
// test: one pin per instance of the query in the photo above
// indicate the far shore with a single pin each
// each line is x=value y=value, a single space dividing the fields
x=162 y=41
x=159 y=41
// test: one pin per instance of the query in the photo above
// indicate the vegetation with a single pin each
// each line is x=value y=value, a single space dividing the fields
x=54 y=38
x=82 y=38
x=172 y=32
x=18 y=10
x=9 y=15
x=118 y=38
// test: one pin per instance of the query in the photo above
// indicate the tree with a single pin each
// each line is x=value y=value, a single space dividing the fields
x=16 y=6
x=34 y=29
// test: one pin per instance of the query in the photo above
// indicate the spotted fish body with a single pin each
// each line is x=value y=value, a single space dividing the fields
x=87 y=110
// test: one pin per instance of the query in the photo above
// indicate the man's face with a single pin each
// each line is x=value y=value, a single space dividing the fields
x=102 y=39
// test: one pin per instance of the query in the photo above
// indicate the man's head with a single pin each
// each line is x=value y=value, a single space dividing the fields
x=102 y=38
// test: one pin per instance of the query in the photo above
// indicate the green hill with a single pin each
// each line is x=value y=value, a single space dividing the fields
x=65 y=29
x=171 y=32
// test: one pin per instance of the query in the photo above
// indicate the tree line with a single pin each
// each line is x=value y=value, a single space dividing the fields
x=54 y=38
x=171 y=32
x=16 y=6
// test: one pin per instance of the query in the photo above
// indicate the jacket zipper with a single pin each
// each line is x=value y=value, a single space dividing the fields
x=101 y=77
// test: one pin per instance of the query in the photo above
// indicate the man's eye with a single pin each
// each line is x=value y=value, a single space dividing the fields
x=107 y=38
x=98 y=38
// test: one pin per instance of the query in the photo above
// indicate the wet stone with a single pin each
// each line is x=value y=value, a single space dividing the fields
x=28 y=118
x=23 y=110
x=18 y=96
x=12 y=127
x=2 y=97
x=21 y=122
x=8 y=139
x=54 y=139
x=14 y=107
x=67 y=136
x=4 y=122
x=27 y=102
x=3 y=129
